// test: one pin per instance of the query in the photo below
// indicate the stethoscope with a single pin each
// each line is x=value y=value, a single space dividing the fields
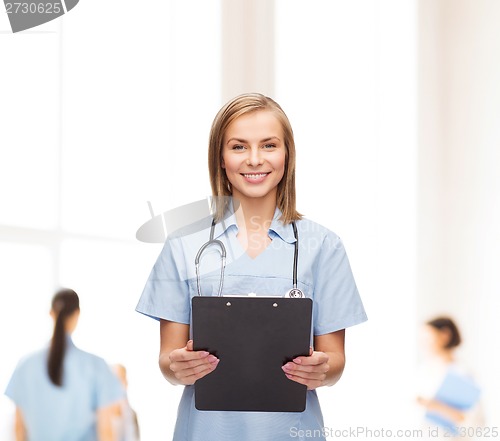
x=292 y=293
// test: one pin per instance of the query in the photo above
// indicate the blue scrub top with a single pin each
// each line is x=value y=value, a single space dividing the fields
x=323 y=273
x=66 y=413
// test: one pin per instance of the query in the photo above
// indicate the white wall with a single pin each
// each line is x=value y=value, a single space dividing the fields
x=459 y=161
x=346 y=76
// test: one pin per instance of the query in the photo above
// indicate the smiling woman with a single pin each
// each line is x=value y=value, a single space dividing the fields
x=252 y=173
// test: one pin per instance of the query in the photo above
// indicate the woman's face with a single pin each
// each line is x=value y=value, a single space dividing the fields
x=434 y=340
x=253 y=155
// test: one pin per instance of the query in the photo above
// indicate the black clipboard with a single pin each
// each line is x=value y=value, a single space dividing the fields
x=253 y=337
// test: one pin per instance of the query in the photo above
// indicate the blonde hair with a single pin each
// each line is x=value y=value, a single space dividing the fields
x=221 y=187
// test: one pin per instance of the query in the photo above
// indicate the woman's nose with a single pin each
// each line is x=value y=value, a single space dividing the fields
x=254 y=157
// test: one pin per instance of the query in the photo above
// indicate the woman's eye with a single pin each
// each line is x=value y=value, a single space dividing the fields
x=238 y=147
x=269 y=146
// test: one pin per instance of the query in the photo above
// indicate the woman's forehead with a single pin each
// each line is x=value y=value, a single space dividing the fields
x=259 y=125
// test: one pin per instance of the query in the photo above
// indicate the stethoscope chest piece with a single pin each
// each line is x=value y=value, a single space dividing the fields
x=294 y=293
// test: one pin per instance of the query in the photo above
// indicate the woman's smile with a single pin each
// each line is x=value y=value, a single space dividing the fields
x=255 y=178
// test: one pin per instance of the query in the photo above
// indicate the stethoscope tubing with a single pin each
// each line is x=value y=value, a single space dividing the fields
x=222 y=250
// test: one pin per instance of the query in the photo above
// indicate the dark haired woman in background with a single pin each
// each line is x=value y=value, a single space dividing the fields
x=441 y=339
x=62 y=393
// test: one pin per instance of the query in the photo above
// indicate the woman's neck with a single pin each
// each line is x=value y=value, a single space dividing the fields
x=255 y=214
x=446 y=355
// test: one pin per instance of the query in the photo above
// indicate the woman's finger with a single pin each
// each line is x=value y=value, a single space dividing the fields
x=189 y=364
x=307 y=375
x=313 y=359
x=192 y=375
x=311 y=384
x=294 y=368
x=186 y=355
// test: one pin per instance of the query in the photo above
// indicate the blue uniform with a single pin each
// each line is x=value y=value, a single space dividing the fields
x=324 y=274
x=66 y=413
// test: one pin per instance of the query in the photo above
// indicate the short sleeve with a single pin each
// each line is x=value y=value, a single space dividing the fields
x=108 y=389
x=16 y=388
x=166 y=294
x=337 y=304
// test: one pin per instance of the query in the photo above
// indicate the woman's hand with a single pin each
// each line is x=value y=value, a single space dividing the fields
x=182 y=366
x=188 y=365
x=323 y=367
x=443 y=409
x=311 y=370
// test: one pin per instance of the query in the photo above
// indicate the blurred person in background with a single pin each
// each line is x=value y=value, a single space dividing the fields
x=125 y=421
x=62 y=393
x=447 y=392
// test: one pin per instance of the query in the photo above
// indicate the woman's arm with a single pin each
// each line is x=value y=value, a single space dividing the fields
x=324 y=366
x=178 y=362
x=19 y=427
x=443 y=409
x=105 y=429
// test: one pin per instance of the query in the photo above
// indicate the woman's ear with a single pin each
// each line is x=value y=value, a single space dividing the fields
x=223 y=165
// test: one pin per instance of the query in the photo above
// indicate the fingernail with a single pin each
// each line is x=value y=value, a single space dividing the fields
x=204 y=354
x=297 y=360
x=212 y=358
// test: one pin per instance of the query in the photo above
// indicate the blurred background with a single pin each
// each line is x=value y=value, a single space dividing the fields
x=395 y=106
